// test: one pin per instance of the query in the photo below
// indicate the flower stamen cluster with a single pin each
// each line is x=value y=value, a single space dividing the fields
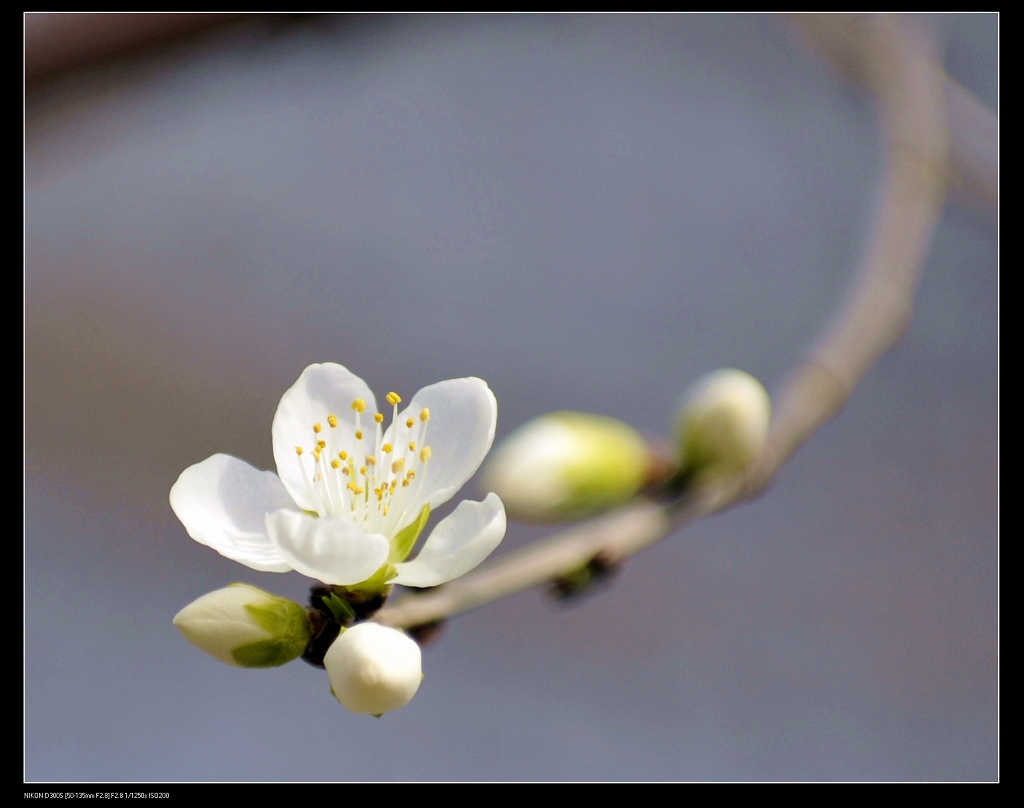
x=374 y=485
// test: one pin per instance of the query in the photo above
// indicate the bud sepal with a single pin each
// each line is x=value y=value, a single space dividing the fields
x=244 y=626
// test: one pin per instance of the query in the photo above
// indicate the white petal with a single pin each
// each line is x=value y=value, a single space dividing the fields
x=463 y=414
x=332 y=549
x=322 y=390
x=457 y=545
x=223 y=503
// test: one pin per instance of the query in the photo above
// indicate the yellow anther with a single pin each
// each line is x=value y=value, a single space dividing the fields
x=345 y=470
x=359 y=405
x=321 y=444
x=362 y=470
x=405 y=483
x=343 y=455
x=378 y=418
x=394 y=398
x=371 y=460
x=425 y=454
x=412 y=446
x=410 y=423
x=425 y=414
x=359 y=434
x=317 y=428
x=410 y=474
x=397 y=466
x=355 y=489
x=335 y=464
x=387 y=447
x=332 y=420
x=298 y=450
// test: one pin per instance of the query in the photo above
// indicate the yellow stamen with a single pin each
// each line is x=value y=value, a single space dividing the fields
x=370 y=461
x=321 y=444
x=409 y=423
x=387 y=447
x=425 y=414
x=317 y=428
x=332 y=420
x=412 y=446
x=425 y=454
x=359 y=405
x=335 y=464
x=378 y=418
x=397 y=466
x=362 y=470
x=343 y=455
x=394 y=398
x=359 y=434
x=298 y=450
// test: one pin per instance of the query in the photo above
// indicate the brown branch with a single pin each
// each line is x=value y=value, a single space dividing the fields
x=896 y=61
x=56 y=41
x=974 y=150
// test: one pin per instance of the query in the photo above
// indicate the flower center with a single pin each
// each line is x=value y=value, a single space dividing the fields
x=379 y=473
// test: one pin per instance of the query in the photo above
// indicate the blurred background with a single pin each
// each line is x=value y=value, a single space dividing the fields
x=588 y=212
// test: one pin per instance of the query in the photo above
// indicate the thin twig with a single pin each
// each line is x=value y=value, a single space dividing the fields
x=897 y=62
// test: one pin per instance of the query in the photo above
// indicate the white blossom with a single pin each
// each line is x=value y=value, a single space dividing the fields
x=350 y=495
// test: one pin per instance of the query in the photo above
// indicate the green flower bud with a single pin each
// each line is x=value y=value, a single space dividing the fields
x=373 y=669
x=567 y=465
x=722 y=424
x=245 y=626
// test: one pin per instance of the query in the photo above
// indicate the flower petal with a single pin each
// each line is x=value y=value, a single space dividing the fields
x=223 y=503
x=332 y=549
x=321 y=390
x=463 y=414
x=457 y=545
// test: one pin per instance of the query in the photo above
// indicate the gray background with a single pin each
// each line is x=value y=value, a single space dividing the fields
x=588 y=212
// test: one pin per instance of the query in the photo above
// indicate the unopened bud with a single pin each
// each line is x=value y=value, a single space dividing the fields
x=567 y=465
x=373 y=669
x=245 y=626
x=722 y=424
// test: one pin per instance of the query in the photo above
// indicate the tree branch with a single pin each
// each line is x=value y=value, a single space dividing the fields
x=896 y=59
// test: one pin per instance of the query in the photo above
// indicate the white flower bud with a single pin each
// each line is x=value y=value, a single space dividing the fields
x=567 y=465
x=722 y=425
x=373 y=669
x=244 y=626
